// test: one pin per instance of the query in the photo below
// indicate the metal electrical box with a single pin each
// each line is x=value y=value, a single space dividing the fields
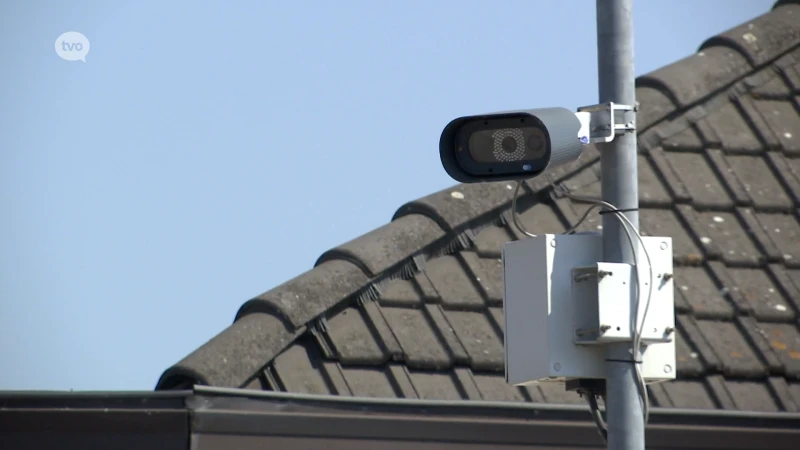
x=560 y=304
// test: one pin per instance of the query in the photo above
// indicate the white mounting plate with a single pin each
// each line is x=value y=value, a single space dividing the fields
x=602 y=122
x=601 y=316
x=539 y=309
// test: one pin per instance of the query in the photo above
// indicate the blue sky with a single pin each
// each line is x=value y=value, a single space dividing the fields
x=208 y=151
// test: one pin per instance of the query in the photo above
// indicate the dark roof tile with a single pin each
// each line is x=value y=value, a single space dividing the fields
x=402 y=379
x=772 y=88
x=697 y=288
x=494 y=387
x=399 y=292
x=658 y=396
x=476 y=270
x=783 y=279
x=541 y=219
x=492 y=279
x=681 y=305
x=687 y=139
x=377 y=323
x=780 y=388
x=784 y=339
x=257 y=383
x=719 y=390
x=435 y=385
x=757 y=121
x=467 y=383
x=425 y=287
x=490 y=240
x=664 y=222
x=783 y=120
x=333 y=372
x=308 y=296
x=794 y=277
x=723 y=169
x=231 y=357
x=421 y=345
x=593 y=223
x=708 y=134
x=758 y=290
x=698 y=75
x=587 y=176
x=387 y=246
x=784 y=232
x=695 y=338
x=446 y=332
x=652 y=192
x=738 y=358
x=788 y=176
x=794 y=390
x=734 y=133
x=673 y=183
x=794 y=164
x=554 y=392
x=722 y=278
x=499 y=318
x=751 y=396
x=699 y=180
x=755 y=336
x=688 y=394
x=763 y=38
x=353 y=340
x=455 y=208
x=481 y=340
x=688 y=360
x=298 y=371
x=369 y=382
x=723 y=236
x=760 y=183
x=791 y=72
x=788 y=66
x=454 y=286
x=592 y=190
x=654 y=105
x=532 y=393
x=770 y=252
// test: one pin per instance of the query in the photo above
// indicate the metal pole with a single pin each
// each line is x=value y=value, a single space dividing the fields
x=618 y=160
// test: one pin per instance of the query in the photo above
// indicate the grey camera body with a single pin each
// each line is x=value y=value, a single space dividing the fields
x=510 y=145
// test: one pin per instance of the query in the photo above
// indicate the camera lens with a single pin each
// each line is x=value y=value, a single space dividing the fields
x=536 y=143
x=509 y=144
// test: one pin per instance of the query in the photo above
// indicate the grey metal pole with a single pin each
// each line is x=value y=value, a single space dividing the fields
x=618 y=163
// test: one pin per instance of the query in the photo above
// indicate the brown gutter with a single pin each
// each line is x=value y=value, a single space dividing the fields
x=386 y=423
x=88 y=421
x=217 y=419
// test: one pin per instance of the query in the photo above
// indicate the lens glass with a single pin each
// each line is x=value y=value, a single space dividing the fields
x=507 y=144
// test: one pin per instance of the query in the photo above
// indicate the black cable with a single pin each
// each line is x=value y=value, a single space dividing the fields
x=597 y=416
x=617 y=211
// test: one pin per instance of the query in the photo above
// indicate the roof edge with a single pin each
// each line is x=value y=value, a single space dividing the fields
x=446 y=221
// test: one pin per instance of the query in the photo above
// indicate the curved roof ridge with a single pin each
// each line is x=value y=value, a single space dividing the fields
x=446 y=221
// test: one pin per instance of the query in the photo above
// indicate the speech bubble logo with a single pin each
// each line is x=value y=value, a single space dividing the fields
x=72 y=46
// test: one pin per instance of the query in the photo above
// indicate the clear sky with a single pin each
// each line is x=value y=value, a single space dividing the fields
x=208 y=151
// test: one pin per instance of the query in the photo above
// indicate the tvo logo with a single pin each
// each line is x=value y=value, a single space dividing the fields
x=72 y=46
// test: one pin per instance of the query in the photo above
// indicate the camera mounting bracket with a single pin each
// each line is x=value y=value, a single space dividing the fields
x=602 y=122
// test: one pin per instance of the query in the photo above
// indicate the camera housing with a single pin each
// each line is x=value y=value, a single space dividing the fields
x=510 y=145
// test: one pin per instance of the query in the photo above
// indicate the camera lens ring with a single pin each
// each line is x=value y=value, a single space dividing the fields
x=503 y=150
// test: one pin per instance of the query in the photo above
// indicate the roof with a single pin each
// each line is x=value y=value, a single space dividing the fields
x=413 y=309
x=208 y=418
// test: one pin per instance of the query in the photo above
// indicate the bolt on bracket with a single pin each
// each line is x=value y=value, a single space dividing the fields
x=604 y=121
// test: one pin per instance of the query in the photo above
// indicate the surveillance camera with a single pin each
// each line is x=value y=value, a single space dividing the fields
x=512 y=145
